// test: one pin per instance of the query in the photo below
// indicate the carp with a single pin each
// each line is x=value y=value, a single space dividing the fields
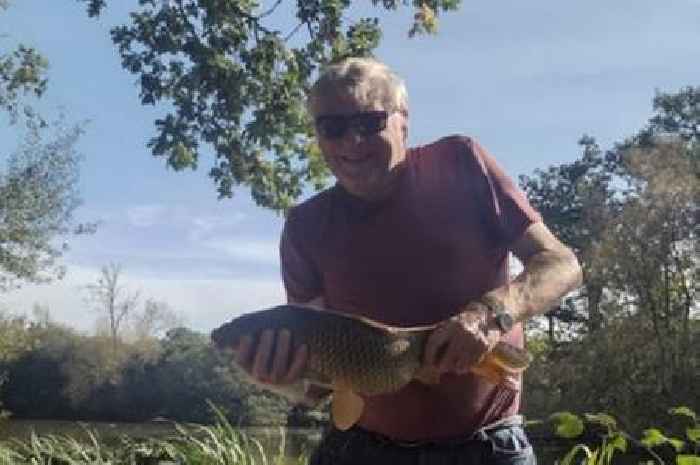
x=354 y=356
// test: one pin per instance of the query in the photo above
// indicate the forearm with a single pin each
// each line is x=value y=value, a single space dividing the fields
x=548 y=276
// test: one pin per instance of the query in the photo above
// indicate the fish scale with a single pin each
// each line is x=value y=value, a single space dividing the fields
x=356 y=356
x=367 y=356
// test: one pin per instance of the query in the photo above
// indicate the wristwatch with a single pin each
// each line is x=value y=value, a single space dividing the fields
x=503 y=319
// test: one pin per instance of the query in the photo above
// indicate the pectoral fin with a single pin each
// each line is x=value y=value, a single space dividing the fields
x=496 y=373
x=347 y=407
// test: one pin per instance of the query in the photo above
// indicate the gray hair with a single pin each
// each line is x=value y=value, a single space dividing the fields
x=369 y=81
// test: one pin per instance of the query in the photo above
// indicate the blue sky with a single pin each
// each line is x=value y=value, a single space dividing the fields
x=527 y=79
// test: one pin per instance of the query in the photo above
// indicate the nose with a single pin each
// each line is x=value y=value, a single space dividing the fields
x=352 y=138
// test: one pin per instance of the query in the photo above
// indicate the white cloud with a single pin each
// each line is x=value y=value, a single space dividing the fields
x=189 y=217
x=204 y=226
x=204 y=303
x=262 y=252
x=144 y=216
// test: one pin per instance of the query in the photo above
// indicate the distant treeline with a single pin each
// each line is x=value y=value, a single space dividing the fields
x=53 y=372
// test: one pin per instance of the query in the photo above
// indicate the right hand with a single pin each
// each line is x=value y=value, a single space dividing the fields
x=267 y=367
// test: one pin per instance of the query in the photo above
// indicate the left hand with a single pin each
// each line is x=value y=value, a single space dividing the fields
x=463 y=340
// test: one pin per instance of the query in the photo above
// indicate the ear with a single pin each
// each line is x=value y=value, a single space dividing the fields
x=404 y=126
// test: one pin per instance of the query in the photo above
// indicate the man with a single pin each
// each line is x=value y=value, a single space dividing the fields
x=414 y=236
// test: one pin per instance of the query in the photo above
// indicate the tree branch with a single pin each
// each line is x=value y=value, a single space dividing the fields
x=271 y=10
x=294 y=31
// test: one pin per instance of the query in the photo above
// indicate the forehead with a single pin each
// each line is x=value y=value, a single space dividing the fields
x=342 y=102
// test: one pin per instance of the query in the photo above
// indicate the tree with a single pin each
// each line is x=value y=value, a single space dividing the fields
x=238 y=83
x=638 y=244
x=154 y=320
x=148 y=325
x=37 y=378
x=649 y=257
x=677 y=113
x=576 y=200
x=38 y=197
x=22 y=72
x=112 y=300
x=38 y=185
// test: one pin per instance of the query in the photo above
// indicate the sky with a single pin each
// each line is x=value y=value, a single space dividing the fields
x=526 y=79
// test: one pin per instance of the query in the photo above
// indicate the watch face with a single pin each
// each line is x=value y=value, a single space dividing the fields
x=505 y=321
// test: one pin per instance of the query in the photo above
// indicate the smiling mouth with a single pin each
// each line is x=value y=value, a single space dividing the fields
x=355 y=160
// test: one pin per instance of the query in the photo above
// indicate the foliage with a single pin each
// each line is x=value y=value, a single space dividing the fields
x=237 y=82
x=38 y=186
x=677 y=113
x=14 y=341
x=38 y=196
x=61 y=374
x=576 y=200
x=22 y=72
x=631 y=214
x=595 y=199
x=112 y=300
x=37 y=378
x=154 y=319
x=14 y=337
x=614 y=440
x=602 y=442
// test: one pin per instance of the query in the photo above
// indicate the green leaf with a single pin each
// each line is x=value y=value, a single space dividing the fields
x=693 y=434
x=566 y=425
x=529 y=423
x=602 y=419
x=653 y=437
x=687 y=460
x=569 y=457
x=618 y=442
x=677 y=444
x=683 y=411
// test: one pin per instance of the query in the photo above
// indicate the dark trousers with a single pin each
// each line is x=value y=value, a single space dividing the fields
x=502 y=444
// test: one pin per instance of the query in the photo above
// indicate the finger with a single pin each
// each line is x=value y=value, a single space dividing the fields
x=436 y=340
x=281 y=359
x=243 y=352
x=298 y=364
x=473 y=354
x=262 y=355
x=454 y=354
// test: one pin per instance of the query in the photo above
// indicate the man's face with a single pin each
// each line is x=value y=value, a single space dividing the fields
x=359 y=150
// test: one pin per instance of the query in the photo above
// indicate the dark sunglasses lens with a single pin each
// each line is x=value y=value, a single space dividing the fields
x=369 y=124
x=331 y=127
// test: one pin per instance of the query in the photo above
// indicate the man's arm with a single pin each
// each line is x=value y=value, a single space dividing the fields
x=551 y=271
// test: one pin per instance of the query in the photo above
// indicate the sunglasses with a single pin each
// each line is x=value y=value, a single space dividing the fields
x=366 y=123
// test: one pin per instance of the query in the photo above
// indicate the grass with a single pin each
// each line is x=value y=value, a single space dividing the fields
x=220 y=444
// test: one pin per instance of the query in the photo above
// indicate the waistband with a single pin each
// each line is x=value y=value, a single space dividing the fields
x=480 y=435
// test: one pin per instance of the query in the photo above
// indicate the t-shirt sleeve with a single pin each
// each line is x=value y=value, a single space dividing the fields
x=302 y=280
x=508 y=210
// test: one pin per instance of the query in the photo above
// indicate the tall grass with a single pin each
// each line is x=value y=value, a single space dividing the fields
x=220 y=444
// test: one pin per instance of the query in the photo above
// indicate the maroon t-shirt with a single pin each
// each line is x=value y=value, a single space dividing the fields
x=440 y=240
